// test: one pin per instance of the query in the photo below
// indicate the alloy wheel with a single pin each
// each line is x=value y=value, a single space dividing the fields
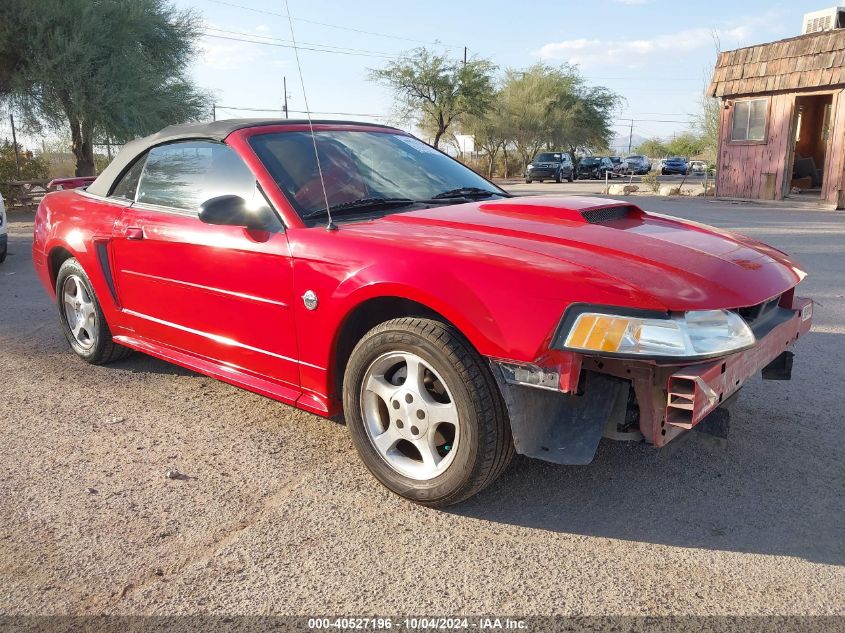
x=409 y=415
x=79 y=311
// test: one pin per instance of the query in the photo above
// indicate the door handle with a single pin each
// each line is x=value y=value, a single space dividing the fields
x=134 y=233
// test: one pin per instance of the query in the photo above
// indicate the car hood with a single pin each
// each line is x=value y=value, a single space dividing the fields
x=682 y=265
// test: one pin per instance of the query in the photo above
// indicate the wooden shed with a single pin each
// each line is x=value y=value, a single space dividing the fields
x=782 y=131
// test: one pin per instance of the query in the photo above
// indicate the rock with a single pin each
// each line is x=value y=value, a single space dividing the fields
x=92 y=491
x=669 y=190
x=173 y=474
x=622 y=189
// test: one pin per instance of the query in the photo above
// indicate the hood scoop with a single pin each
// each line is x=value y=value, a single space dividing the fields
x=608 y=214
x=583 y=210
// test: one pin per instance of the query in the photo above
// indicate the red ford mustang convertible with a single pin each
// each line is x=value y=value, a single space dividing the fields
x=352 y=269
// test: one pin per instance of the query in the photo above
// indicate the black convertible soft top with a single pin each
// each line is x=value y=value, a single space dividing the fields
x=215 y=130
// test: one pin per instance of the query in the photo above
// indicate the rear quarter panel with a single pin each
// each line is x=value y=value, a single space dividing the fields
x=76 y=222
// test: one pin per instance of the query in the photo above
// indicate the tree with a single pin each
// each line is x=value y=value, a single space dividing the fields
x=31 y=167
x=707 y=125
x=436 y=90
x=490 y=132
x=586 y=124
x=111 y=69
x=710 y=113
x=653 y=147
x=552 y=108
x=686 y=144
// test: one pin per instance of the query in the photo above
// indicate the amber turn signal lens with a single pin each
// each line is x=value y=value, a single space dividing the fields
x=602 y=333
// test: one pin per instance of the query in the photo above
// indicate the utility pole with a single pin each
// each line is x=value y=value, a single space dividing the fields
x=213 y=111
x=285 y=88
x=465 y=56
x=630 y=136
x=15 y=146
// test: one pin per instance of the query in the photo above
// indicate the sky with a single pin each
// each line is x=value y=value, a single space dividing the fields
x=657 y=54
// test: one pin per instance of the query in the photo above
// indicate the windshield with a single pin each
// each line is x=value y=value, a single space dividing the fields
x=362 y=166
x=547 y=158
x=590 y=161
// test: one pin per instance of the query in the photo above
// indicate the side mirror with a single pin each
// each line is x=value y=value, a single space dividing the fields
x=233 y=211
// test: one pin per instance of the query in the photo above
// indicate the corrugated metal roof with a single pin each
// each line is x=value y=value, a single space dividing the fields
x=808 y=61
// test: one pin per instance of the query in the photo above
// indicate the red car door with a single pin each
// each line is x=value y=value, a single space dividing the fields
x=221 y=293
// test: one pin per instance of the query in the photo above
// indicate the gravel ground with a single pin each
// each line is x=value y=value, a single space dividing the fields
x=275 y=514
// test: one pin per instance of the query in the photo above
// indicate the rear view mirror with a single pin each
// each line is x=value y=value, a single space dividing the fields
x=233 y=211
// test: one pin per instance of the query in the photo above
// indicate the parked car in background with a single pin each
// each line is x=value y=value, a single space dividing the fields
x=74 y=182
x=618 y=165
x=698 y=167
x=675 y=165
x=637 y=164
x=555 y=166
x=4 y=231
x=351 y=269
x=593 y=167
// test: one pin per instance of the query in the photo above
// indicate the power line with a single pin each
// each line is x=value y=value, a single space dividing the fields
x=307 y=48
x=622 y=121
x=299 y=44
x=244 y=109
x=326 y=24
x=638 y=78
x=628 y=120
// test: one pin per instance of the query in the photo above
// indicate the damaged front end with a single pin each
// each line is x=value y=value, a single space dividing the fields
x=563 y=404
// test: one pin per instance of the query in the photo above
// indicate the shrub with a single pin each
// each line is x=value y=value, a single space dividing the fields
x=650 y=181
x=32 y=167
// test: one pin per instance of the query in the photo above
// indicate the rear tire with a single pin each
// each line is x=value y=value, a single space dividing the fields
x=82 y=319
x=425 y=413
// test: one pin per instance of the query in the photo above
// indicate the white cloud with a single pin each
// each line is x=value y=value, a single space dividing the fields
x=221 y=51
x=628 y=52
x=227 y=55
x=634 y=52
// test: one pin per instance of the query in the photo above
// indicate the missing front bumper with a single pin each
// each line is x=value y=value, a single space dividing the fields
x=566 y=428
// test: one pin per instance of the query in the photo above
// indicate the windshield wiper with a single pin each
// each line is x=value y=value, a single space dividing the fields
x=361 y=203
x=467 y=192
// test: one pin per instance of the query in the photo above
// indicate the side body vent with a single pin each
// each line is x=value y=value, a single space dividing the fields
x=607 y=214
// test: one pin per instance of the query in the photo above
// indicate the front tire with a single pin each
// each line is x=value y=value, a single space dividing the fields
x=82 y=319
x=424 y=412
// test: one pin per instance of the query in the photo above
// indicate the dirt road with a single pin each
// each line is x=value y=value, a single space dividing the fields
x=275 y=514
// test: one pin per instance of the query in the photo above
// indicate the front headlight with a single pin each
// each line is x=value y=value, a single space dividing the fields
x=702 y=333
x=530 y=167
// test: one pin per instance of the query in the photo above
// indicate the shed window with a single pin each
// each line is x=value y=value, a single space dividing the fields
x=749 y=120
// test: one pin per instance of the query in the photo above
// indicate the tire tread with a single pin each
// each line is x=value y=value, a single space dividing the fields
x=495 y=449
